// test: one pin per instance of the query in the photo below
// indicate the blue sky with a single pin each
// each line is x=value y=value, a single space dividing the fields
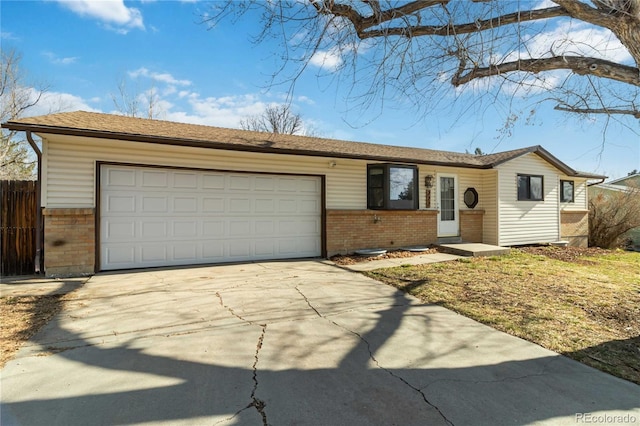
x=83 y=49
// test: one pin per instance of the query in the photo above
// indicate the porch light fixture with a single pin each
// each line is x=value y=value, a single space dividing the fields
x=428 y=181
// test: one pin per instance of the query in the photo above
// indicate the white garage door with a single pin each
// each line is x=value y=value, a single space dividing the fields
x=162 y=217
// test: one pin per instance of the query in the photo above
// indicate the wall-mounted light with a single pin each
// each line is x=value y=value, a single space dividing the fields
x=428 y=181
x=332 y=164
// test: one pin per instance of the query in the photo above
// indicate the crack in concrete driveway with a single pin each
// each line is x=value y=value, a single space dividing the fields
x=190 y=346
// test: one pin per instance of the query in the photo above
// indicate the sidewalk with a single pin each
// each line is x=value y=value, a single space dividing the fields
x=391 y=263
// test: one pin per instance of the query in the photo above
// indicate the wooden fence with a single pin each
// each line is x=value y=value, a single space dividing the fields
x=18 y=208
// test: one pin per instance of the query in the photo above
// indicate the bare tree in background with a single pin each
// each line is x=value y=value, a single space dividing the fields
x=583 y=56
x=17 y=96
x=277 y=119
x=134 y=103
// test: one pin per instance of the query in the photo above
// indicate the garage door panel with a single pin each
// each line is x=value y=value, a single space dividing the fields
x=265 y=248
x=264 y=183
x=153 y=253
x=165 y=217
x=213 y=251
x=213 y=181
x=119 y=229
x=185 y=229
x=185 y=180
x=239 y=249
x=212 y=205
x=121 y=178
x=185 y=252
x=120 y=255
x=239 y=205
x=239 y=182
x=154 y=179
x=213 y=229
x=153 y=230
x=185 y=204
x=120 y=203
x=156 y=204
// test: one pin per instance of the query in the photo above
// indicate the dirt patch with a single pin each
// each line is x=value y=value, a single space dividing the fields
x=26 y=306
x=351 y=259
x=567 y=254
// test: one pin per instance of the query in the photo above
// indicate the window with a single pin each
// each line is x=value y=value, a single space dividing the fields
x=392 y=187
x=530 y=188
x=566 y=191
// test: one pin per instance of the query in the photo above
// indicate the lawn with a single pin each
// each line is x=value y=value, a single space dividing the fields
x=584 y=304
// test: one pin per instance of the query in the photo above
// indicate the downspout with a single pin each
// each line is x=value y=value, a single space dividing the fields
x=596 y=183
x=38 y=259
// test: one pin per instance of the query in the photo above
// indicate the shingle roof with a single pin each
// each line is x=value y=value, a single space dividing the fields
x=82 y=123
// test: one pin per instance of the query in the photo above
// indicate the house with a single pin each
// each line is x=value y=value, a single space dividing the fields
x=120 y=192
x=618 y=186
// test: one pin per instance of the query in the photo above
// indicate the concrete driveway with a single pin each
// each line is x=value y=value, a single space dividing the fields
x=289 y=343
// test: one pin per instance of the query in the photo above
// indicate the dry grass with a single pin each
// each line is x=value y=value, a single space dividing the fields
x=22 y=317
x=584 y=304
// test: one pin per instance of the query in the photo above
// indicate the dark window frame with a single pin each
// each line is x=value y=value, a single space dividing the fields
x=377 y=190
x=573 y=191
x=526 y=193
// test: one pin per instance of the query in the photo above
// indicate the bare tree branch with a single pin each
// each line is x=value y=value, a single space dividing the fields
x=579 y=65
x=410 y=50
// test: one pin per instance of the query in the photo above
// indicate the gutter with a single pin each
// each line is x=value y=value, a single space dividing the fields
x=261 y=146
x=39 y=234
x=597 y=183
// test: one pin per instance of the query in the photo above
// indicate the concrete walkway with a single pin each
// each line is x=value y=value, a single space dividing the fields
x=284 y=343
x=420 y=259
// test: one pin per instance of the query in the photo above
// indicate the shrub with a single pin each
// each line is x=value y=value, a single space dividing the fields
x=612 y=214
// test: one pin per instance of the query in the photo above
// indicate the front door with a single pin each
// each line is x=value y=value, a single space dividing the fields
x=447 y=205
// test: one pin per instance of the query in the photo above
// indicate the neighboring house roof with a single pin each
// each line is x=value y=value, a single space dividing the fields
x=97 y=125
x=609 y=187
x=624 y=181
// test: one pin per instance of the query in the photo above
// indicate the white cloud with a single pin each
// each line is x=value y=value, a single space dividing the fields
x=524 y=84
x=327 y=59
x=113 y=13
x=56 y=60
x=52 y=102
x=8 y=36
x=571 y=38
x=160 y=77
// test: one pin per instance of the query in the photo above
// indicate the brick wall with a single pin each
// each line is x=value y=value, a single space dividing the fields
x=350 y=230
x=574 y=227
x=471 y=225
x=69 y=242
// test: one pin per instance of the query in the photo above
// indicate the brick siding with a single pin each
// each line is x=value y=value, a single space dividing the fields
x=69 y=242
x=350 y=230
x=574 y=227
x=471 y=225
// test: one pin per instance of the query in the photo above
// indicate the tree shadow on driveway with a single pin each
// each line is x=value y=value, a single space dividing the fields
x=388 y=361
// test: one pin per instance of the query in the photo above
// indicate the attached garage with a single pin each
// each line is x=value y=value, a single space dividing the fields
x=152 y=216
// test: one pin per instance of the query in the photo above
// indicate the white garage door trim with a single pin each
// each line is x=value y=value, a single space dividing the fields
x=151 y=216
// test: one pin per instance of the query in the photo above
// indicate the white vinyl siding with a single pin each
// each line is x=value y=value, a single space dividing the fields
x=70 y=165
x=490 y=206
x=528 y=222
x=467 y=178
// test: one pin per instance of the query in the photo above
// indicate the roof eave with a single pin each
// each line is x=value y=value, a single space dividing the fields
x=100 y=134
